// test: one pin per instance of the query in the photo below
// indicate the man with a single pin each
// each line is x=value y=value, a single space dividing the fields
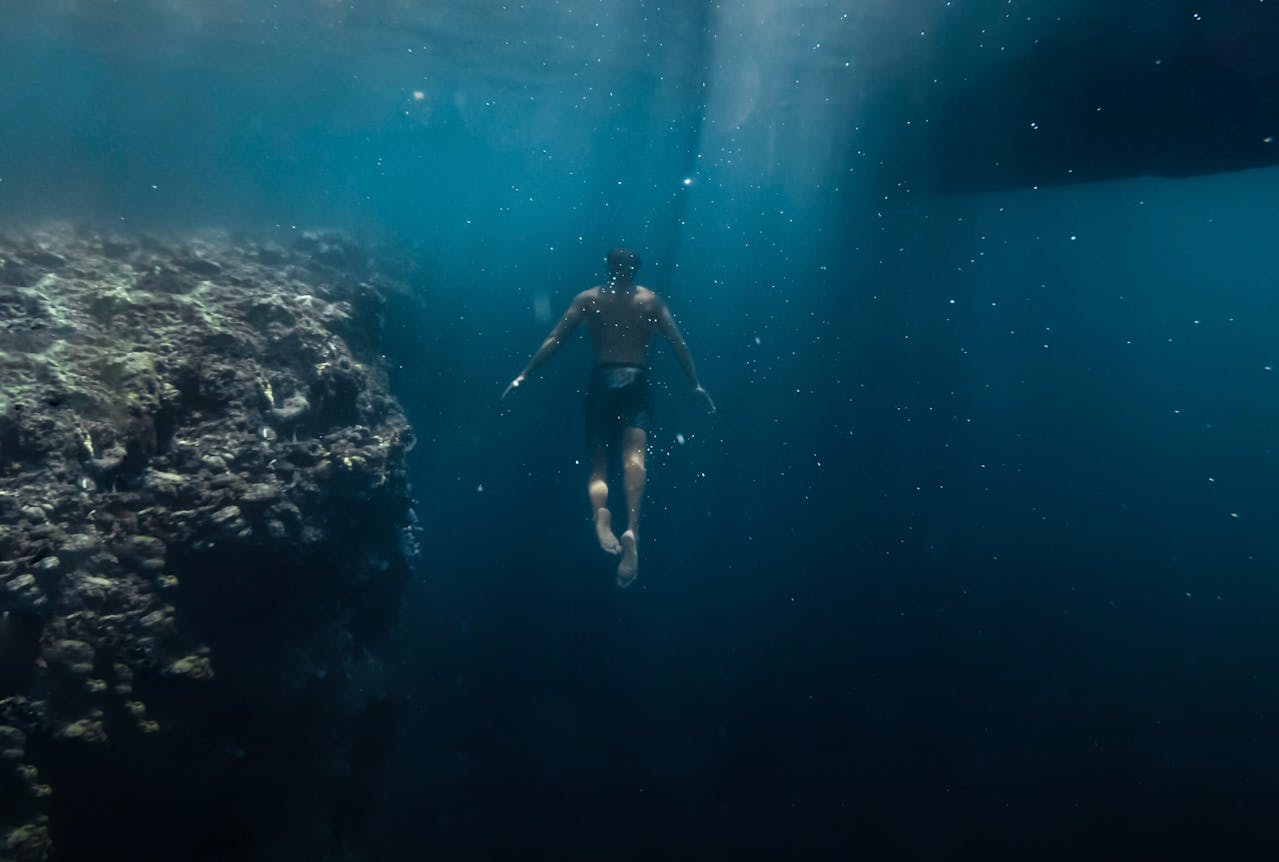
x=622 y=317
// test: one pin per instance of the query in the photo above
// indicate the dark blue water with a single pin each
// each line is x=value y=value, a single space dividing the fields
x=977 y=557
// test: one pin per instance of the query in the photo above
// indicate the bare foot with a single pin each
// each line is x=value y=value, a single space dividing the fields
x=604 y=529
x=628 y=568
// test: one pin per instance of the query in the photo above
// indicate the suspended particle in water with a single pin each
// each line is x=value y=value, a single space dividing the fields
x=688 y=181
x=542 y=306
x=679 y=438
x=418 y=95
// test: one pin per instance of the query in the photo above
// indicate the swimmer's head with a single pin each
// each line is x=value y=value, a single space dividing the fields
x=622 y=263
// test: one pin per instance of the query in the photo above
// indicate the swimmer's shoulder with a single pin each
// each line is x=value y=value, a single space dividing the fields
x=649 y=301
x=647 y=298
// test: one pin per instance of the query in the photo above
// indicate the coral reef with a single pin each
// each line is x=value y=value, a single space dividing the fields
x=204 y=523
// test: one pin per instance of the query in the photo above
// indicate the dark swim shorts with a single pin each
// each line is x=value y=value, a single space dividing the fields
x=617 y=398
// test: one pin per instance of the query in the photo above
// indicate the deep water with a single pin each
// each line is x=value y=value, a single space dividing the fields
x=977 y=557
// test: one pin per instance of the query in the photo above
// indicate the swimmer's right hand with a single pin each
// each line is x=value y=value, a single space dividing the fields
x=515 y=384
x=706 y=398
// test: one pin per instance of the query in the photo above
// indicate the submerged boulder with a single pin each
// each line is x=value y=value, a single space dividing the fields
x=204 y=523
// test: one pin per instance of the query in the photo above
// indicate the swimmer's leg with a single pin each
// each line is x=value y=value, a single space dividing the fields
x=598 y=490
x=634 y=441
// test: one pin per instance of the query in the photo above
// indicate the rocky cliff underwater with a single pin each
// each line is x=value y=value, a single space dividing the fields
x=205 y=522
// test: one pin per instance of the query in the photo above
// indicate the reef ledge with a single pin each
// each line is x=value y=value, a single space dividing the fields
x=205 y=523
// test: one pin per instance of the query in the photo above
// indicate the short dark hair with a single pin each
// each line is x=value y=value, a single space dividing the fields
x=622 y=262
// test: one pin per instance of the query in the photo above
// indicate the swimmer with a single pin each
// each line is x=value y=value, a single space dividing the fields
x=622 y=317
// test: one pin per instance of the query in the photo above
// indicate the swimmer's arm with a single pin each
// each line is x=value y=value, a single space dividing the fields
x=554 y=341
x=666 y=325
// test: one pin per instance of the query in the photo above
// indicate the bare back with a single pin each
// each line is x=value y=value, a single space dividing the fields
x=621 y=322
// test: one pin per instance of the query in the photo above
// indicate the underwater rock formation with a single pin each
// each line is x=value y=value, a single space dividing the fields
x=204 y=522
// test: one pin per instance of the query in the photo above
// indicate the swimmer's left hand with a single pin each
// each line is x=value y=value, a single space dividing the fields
x=515 y=384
